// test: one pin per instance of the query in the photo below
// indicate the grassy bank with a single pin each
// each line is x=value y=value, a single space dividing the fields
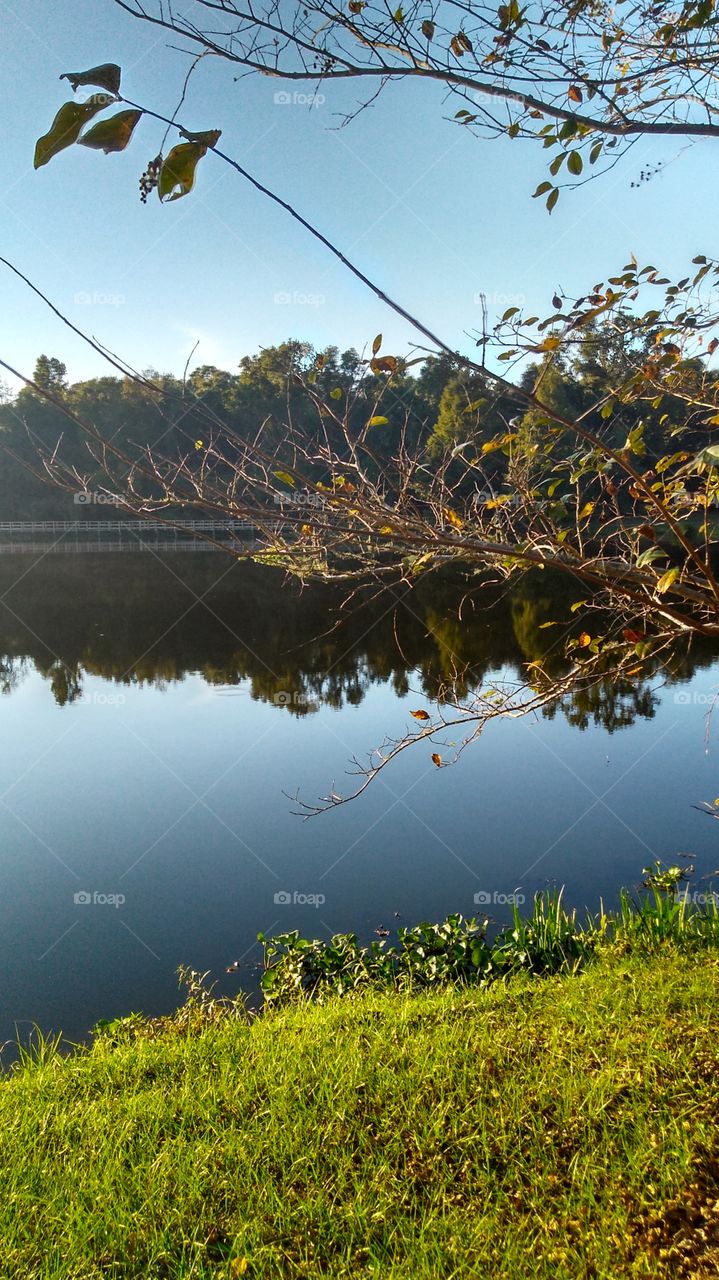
x=564 y=1127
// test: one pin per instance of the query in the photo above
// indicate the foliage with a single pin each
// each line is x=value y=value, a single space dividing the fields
x=173 y=176
x=459 y=951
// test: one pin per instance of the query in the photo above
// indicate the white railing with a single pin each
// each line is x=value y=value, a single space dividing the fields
x=165 y=546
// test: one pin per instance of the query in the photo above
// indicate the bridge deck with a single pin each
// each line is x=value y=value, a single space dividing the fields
x=124 y=526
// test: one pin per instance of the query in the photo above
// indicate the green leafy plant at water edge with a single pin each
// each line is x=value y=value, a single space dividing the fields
x=460 y=951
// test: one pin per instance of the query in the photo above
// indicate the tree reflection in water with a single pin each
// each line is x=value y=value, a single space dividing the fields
x=142 y=621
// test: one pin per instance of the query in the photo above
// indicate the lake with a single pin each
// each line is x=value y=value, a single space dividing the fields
x=160 y=713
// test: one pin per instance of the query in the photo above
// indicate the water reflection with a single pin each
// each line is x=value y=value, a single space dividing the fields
x=230 y=684
x=143 y=621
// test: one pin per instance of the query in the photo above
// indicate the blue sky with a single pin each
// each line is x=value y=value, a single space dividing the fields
x=433 y=214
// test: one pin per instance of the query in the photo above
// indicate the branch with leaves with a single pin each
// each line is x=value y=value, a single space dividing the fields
x=584 y=80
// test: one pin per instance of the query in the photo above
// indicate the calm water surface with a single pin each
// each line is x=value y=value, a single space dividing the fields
x=157 y=716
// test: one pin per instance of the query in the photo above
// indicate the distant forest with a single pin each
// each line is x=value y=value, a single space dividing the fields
x=436 y=407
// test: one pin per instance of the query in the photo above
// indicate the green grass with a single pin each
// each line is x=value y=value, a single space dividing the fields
x=561 y=1127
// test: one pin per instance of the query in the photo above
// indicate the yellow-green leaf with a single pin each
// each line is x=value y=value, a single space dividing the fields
x=65 y=129
x=285 y=477
x=667 y=580
x=112 y=134
x=378 y=421
x=376 y=344
x=177 y=175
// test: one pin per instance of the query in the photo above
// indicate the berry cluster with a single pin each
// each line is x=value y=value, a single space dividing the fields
x=647 y=174
x=148 y=180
